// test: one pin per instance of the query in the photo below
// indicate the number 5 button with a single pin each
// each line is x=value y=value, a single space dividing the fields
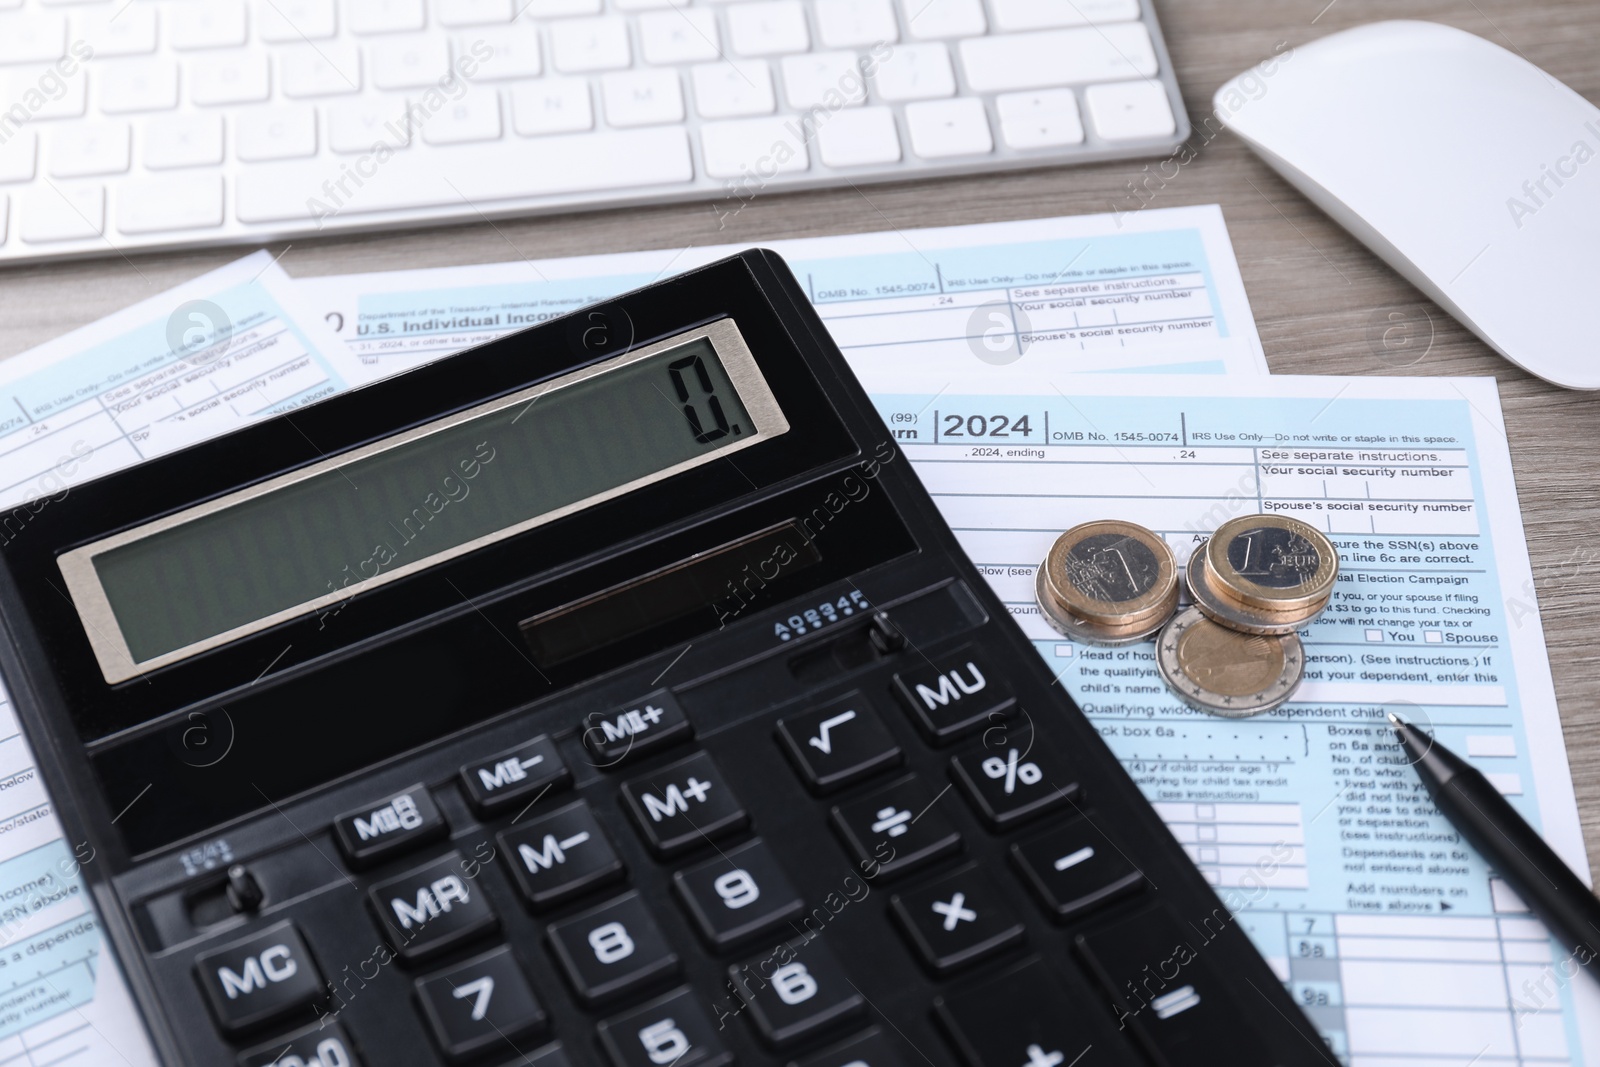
x=480 y=1004
x=739 y=894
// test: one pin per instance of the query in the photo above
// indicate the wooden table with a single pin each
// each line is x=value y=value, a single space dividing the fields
x=1314 y=289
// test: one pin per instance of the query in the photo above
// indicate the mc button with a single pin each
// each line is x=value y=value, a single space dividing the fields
x=954 y=695
x=260 y=979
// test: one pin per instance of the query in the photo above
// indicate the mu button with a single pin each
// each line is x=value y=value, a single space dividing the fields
x=260 y=979
x=954 y=695
x=683 y=804
x=432 y=909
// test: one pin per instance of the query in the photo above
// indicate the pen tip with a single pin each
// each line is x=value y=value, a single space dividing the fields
x=1396 y=720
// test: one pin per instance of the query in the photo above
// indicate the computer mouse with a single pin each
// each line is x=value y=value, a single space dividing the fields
x=1469 y=170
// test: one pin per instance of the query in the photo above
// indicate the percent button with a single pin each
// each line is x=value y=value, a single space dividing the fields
x=1015 y=780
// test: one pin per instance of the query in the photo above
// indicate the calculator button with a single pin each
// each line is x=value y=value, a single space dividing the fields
x=613 y=949
x=896 y=829
x=957 y=920
x=867 y=1049
x=954 y=695
x=739 y=893
x=670 y=1031
x=260 y=979
x=837 y=743
x=1075 y=867
x=683 y=804
x=316 y=1046
x=479 y=1005
x=1027 y=1017
x=432 y=909
x=403 y=821
x=806 y=992
x=1014 y=778
x=632 y=729
x=516 y=776
x=560 y=855
x=1181 y=1019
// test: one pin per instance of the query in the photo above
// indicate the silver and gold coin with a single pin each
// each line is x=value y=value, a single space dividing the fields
x=1235 y=615
x=1108 y=583
x=1271 y=562
x=1213 y=668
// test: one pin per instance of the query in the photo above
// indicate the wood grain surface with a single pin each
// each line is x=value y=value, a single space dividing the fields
x=1313 y=288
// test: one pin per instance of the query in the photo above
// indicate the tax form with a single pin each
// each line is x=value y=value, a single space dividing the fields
x=1390 y=931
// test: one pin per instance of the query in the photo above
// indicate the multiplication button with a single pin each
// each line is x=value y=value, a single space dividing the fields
x=957 y=920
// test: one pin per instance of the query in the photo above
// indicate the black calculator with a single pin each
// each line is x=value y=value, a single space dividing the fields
x=609 y=695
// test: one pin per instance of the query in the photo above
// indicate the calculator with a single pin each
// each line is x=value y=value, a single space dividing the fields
x=608 y=695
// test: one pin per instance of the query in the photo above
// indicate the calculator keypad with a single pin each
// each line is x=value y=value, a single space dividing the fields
x=957 y=920
x=795 y=992
x=896 y=829
x=259 y=979
x=432 y=909
x=612 y=950
x=557 y=857
x=737 y=894
x=631 y=731
x=683 y=805
x=670 y=1030
x=516 y=776
x=474 y=1006
x=838 y=743
x=398 y=823
x=954 y=694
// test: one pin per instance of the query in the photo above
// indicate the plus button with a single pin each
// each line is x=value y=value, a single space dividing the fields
x=697 y=789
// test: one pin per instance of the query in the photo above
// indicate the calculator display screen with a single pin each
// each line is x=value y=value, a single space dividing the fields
x=311 y=539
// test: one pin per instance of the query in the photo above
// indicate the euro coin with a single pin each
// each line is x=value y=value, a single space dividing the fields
x=1110 y=573
x=1089 y=633
x=1272 y=562
x=1228 y=673
x=1236 y=615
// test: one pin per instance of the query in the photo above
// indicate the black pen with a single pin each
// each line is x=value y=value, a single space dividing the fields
x=1484 y=817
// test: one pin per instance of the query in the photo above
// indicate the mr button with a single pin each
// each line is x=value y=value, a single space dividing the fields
x=953 y=695
x=260 y=979
x=432 y=908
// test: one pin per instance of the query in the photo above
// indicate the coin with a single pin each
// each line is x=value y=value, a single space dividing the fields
x=1238 y=616
x=1222 y=671
x=1069 y=625
x=1110 y=573
x=1272 y=562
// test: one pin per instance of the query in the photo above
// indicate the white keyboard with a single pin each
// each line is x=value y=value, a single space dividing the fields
x=130 y=124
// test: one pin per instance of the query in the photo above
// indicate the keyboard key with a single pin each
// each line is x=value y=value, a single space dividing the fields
x=1028 y=1017
x=19 y=156
x=859 y=138
x=560 y=856
x=128 y=31
x=543 y=9
x=1044 y=118
x=739 y=893
x=320 y=70
x=1183 y=1018
x=174 y=202
x=410 y=61
x=957 y=920
x=1130 y=111
x=844 y=740
x=637 y=727
x=612 y=950
x=670 y=1031
x=733 y=88
x=928 y=19
x=516 y=54
x=682 y=35
x=578 y=46
x=34 y=37
x=213 y=24
x=954 y=693
x=61 y=213
x=1047 y=14
x=383 y=16
x=480 y=1005
x=276 y=132
x=761 y=146
x=551 y=105
x=867 y=1049
x=855 y=23
x=172 y=141
x=1074 y=868
x=683 y=805
x=768 y=28
x=227 y=78
x=1058 y=57
x=1015 y=776
x=317 y=1046
x=515 y=776
x=84 y=149
x=392 y=825
x=259 y=979
x=432 y=909
x=808 y=991
x=129 y=85
x=642 y=97
x=356 y=127
x=896 y=829
x=280 y=21
x=817 y=79
x=916 y=72
x=475 y=116
x=474 y=13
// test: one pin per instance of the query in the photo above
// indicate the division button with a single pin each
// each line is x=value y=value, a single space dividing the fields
x=482 y=1004
x=612 y=950
x=808 y=991
x=559 y=856
x=837 y=743
x=259 y=979
x=1028 y=1017
x=432 y=909
x=896 y=829
x=684 y=804
x=957 y=920
x=634 y=728
x=323 y=1044
x=670 y=1031
x=1074 y=868
x=737 y=894
x=954 y=694
x=1014 y=778
x=869 y=1048
x=403 y=821
x=515 y=776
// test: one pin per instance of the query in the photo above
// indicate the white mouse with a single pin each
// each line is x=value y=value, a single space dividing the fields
x=1472 y=172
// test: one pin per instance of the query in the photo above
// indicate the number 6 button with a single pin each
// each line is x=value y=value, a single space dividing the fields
x=476 y=1005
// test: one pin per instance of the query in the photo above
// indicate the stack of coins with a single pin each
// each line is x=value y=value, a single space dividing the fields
x=1254 y=583
x=1108 y=583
